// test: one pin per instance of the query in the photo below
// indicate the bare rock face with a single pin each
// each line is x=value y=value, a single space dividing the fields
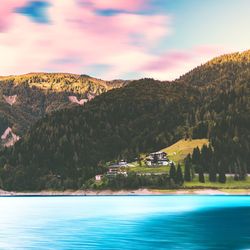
x=9 y=138
x=10 y=99
x=74 y=99
x=90 y=96
x=6 y=133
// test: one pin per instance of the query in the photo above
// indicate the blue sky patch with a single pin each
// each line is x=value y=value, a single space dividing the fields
x=36 y=11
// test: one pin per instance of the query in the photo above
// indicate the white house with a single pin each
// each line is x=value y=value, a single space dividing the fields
x=98 y=177
x=160 y=155
x=163 y=162
x=123 y=163
x=157 y=158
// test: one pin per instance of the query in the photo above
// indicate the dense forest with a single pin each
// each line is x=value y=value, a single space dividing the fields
x=224 y=119
x=67 y=147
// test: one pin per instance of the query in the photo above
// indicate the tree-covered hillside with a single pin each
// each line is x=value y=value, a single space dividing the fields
x=223 y=115
x=40 y=93
x=65 y=148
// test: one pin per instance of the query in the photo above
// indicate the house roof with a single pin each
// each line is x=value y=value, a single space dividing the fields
x=157 y=153
x=115 y=166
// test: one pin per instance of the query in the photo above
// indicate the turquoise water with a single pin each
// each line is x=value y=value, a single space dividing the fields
x=130 y=222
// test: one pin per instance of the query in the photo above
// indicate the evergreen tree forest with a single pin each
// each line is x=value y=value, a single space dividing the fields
x=68 y=147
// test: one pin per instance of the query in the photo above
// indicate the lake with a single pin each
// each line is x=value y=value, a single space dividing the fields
x=125 y=222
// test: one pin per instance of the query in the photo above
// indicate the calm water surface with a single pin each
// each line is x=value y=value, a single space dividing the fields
x=131 y=222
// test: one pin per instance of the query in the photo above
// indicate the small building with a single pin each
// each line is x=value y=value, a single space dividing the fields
x=117 y=169
x=148 y=161
x=157 y=159
x=113 y=170
x=159 y=155
x=98 y=177
x=163 y=162
x=122 y=163
x=114 y=166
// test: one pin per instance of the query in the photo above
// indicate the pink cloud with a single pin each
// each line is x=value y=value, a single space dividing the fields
x=122 y=41
x=173 y=59
x=125 y=5
x=173 y=64
x=209 y=50
x=168 y=61
x=6 y=12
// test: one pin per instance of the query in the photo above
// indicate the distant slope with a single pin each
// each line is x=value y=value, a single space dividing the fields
x=220 y=70
x=63 y=82
x=179 y=150
x=41 y=93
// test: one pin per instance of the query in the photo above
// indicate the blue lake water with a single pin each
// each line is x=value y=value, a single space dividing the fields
x=130 y=222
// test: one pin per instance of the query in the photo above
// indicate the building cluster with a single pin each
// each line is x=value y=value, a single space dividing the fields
x=115 y=169
x=155 y=159
x=118 y=168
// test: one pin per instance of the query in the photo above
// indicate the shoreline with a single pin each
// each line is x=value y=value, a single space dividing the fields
x=138 y=192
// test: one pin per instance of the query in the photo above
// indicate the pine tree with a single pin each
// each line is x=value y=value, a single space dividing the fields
x=212 y=171
x=187 y=170
x=205 y=157
x=201 y=175
x=179 y=175
x=172 y=172
x=236 y=177
x=236 y=172
x=222 y=175
x=242 y=170
x=196 y=156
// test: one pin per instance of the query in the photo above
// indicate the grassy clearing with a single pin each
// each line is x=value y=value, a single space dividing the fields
x=145 y=169
x=178 y=151
x=230 y=184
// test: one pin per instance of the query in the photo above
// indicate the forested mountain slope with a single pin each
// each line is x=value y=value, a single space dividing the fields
x=223 y=115
x=227 y=68
x=65 y=148
x=26 y=98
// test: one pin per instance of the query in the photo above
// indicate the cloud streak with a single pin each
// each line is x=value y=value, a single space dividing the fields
x=7 y=11
x=173 y=64
x=122 y=5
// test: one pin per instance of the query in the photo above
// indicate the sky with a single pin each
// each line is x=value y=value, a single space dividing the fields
x=119 y=39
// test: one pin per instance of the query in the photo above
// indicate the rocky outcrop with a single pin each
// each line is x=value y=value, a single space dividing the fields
x=9 y=138
x=10 y=99
x=74 y=99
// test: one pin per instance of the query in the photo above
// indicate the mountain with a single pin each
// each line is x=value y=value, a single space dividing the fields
x=67 y=147
x=224 y=68
x=26 y=98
